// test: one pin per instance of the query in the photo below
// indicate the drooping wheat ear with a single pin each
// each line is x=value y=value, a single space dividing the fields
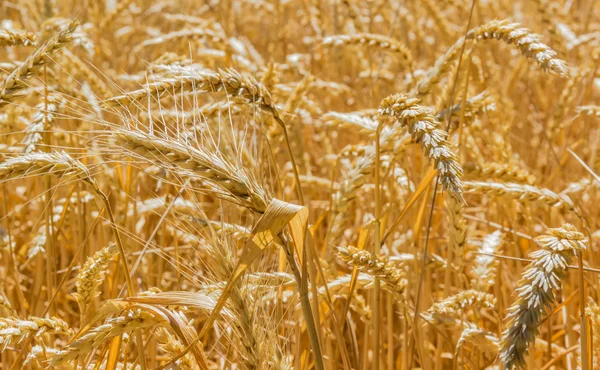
x=14 y=330
x=42 y=121
x=424 y=128
x=457 y=230
x=528 y=43
x=229 y=81
x=593 y=312
x=172 y=346
x=589 y=110
x=377 y=266
x=447 y=311
x=385 y=43
x=91 y=276
x=535 y=291
x=131 y=320
x=499 y=171
x=484 y=270
x=16 y=81
x=12 y=37
x=523 y=192
x=216 y=170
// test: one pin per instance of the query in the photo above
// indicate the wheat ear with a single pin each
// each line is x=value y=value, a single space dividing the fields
x=377 y=266
x=214 y=169
x=16 y=81
x=424 y=128
x=91 y=276
x=11 y=37
x=131 y=320
x=14 y=330
x=535 y=291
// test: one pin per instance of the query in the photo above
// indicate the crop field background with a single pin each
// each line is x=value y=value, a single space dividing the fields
x=299 y=184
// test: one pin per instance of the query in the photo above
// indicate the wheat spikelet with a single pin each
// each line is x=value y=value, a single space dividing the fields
x=12 y=37
x=91 y=276
x=375 y=266
x=16 y=81
x=424 y=128
x=14 y=330
x=538 y=281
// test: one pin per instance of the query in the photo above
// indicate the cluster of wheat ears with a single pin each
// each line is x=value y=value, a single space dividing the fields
x=306 y=184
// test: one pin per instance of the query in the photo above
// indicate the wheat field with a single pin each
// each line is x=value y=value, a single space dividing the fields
x=299 y=184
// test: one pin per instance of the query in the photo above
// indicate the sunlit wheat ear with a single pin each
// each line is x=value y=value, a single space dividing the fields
x=425 y=129
x=448 y=311
x=35 y=164
x=536 y=291
x=234 y=183
x=91 y=276
x=229 y=81
x=14 y=330
x=17 y=80
x=377 y=266
x=130 y=320
x=524 y=192
x=528 y=43
x=12 y=37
